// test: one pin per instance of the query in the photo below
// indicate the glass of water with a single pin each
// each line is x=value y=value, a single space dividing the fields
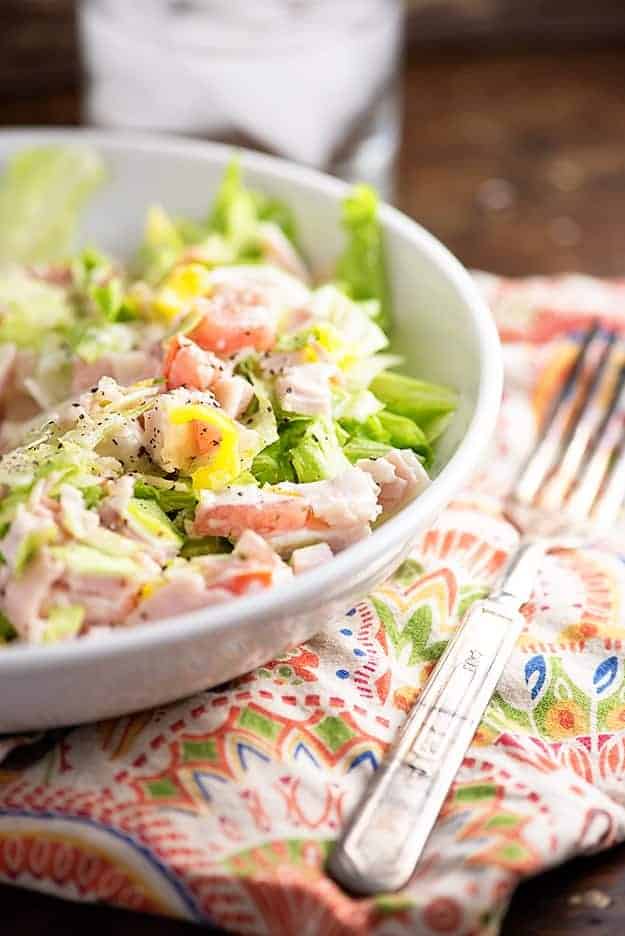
x=315 y=81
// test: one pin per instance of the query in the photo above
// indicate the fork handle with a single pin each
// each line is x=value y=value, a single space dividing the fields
x=386 y=834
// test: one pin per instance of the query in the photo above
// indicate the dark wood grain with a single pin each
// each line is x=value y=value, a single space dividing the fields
x=517 y=162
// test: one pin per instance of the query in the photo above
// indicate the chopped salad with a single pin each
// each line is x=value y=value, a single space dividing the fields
x=202 y=422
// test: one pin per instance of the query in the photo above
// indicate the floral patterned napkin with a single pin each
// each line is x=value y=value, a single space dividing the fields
x=222 y=808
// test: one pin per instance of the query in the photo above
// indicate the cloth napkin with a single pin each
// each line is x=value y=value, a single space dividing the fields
x=222 y=808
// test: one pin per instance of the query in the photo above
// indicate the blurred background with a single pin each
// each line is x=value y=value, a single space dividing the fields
x=504 y=119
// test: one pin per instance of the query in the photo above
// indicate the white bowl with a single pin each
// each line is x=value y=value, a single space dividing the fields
x=443 y=329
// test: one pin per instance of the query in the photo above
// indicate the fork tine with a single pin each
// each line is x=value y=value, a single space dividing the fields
x=608 y=442
x=544 y=454
x=588 y=419
x=611 y=498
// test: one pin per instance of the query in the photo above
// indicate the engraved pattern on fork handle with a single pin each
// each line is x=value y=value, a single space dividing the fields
x=388 y=831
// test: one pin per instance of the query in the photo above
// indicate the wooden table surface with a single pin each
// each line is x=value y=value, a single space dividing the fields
x=517 y=162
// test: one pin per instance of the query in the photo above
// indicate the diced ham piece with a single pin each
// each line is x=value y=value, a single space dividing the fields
x=8 y=353
x=113 y=507
x=252 y=566
x=183 y=590
x=32 y=521
x=188 y=365
x=234 y=318
x=249 y=508
x=19 y=404
x=310 y=557
x=106 y=599
x=207 y=580
x=337 y=538
x=126 y=443
x=399 y=475
x=126 y=368
x=279 y=250
x=344 y=501
x=323 y=510
x=306 y=389
x=75 y=518
x=58 y=275
x=244 y=308
x=277 y=363
x=25 y=595
x=233 y=393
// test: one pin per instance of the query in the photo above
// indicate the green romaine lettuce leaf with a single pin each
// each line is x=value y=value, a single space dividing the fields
x=278 y=212
x=169 y=499
x=306 y=450
x=204 y=546
x=427 y=404
x=7 y=631
x=234 y=212
x=361 y=269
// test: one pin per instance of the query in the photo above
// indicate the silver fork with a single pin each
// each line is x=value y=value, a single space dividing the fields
x=571 y=486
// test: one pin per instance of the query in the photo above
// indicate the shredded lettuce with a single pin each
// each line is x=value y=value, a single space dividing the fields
x=30 y=308
x=260 y=414
x=63 y=622
x=32 y=543
x=71 y=457
x=361 y=335
x=146 y=517
x=41 y=194
x=87 y=560
x=361 y=268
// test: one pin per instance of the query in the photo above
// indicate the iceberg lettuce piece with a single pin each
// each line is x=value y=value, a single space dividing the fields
x=41 y=194
x=31 y=308
x=63 y=622
x=147 y=518
x=32 y=543
x=87 y=560
x=360 y=335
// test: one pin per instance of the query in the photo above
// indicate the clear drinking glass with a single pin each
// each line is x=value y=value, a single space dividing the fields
x=313 y=80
